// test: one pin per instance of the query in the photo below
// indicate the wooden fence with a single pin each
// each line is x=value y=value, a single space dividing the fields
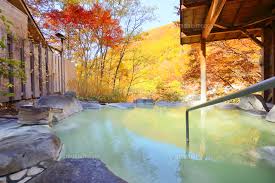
x=44 y=70
x=44 y=66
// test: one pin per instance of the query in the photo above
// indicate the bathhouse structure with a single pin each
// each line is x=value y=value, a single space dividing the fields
x=203 y=21
x=46 y=71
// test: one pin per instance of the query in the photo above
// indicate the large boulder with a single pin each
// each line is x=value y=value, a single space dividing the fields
x=35 y=116
x=253 y=103
x=25 y=103
x=70 y=94
x=68 y=104
x=271 y=115
x=76 y=171
x=90 y=105
x=144 y=101
x=25 y=146
x=266 y=154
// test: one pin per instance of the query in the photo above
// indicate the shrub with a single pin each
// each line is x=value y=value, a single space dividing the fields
x=169 y=91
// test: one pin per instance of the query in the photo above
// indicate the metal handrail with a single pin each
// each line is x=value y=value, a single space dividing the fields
x=261 y=86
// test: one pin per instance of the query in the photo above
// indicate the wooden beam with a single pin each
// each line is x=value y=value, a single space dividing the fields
x=253 y=22
x=220 y=26
x=273 y=58
x=252 y=37
x=221 y=32
x=212 y=16
x=237 y=14
x=193 y=8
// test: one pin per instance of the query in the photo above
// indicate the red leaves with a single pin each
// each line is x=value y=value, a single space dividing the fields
x=97 y=20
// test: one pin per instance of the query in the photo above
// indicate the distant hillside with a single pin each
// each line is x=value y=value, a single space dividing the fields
x=162 y=45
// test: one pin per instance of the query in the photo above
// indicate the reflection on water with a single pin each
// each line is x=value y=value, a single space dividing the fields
x=148 y=145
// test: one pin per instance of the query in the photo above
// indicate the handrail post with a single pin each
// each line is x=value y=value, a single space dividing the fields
x=187 y=126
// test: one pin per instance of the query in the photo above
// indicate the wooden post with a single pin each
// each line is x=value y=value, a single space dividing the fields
x=32 y=67
x=28 y=70
x=22 y=58
x=10 y=56
x=40 y=73
x=266 y=65
x=273 y=58
x=203 y=71
x=47 y=70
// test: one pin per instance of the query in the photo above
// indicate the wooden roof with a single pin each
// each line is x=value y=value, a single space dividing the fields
x=237 y=19
x=34 y=31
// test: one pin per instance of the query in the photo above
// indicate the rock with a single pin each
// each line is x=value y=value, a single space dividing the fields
x=3 y=179
x=24 y=180
x=47 y=164
x=34 y=116
x=226 y=106
x=90 y=105
x=26 y=146
x=123 y=105
x=144 y=101
x=256 y=113
x=253 y=103
x=76 y=171
x=271 y=115
x=24 y=103
x=169 y=104
x=18 y=175
x=34 y=171
x=69 y=105
x=70 y=94
x=269 y=105
x=266 y=154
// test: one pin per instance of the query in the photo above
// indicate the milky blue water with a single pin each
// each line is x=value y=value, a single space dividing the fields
x=147 y=145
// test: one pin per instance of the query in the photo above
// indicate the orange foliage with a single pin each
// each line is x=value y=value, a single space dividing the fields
x=231 y=65
x=97 y=20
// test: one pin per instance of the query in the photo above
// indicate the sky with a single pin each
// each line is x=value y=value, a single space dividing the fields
x=165 y=12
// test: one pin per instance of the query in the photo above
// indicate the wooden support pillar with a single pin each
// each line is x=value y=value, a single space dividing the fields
x=203 y=71
x=273 y=58
x=22 y=59
x=47 y=70
x=32 y=60
x=40 y=73
x=266 y=63
x=10 y=47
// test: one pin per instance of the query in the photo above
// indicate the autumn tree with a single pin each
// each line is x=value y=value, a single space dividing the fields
x=231 y=65
x=90 y=34
x=133 y=15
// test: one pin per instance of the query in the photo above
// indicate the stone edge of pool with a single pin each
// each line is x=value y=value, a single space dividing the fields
x=30 y=151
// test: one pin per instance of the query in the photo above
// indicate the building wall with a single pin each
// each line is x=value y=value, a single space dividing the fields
x=17 y=17
x=42 y=64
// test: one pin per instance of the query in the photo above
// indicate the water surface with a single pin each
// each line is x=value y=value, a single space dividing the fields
x=147 y=145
